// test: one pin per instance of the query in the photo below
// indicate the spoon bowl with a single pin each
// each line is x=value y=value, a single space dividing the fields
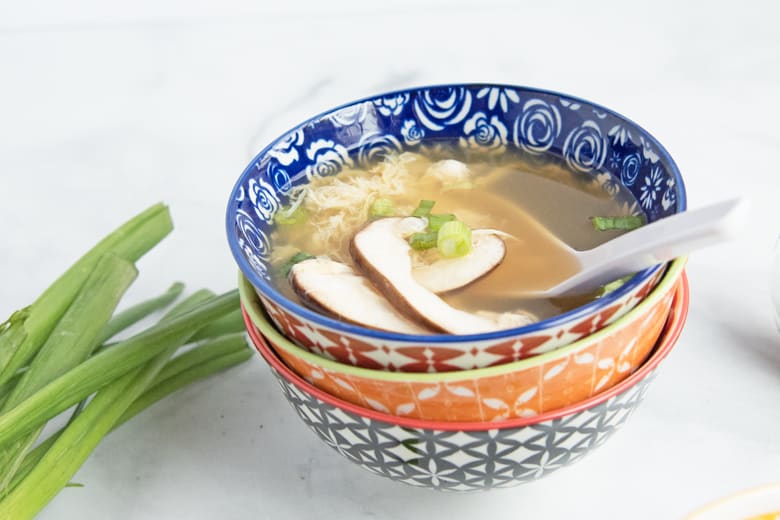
x=649 y=245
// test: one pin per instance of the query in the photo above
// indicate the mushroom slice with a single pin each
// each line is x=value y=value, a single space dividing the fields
x=448 y=274
x=335 y=289
x=381 y=251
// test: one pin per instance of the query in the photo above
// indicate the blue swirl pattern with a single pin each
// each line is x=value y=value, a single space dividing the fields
x=585 y=148
x=536 y=130
x=629 y=168
x=442 y=107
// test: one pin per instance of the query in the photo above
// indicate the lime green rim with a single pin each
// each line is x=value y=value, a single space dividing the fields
x=251 y=303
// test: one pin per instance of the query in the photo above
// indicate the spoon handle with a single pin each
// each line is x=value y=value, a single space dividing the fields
x=661 y=241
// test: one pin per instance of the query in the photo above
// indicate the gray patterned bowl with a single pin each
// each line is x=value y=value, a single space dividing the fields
x=474 y=455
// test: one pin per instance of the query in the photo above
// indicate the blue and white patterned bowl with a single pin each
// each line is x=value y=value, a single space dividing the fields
x=470 y=456
x=592 y=141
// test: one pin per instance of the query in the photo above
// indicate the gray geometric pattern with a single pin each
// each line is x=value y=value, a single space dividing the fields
x=464 y=460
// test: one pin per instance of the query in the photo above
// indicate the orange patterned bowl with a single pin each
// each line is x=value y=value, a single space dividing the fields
x=472 y=456
x=524 y=388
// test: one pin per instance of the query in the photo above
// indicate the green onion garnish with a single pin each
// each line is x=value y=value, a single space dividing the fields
x=454 y=239
x=609 y=223
x=424 y=240
x=424 y=208
x=614 y=285
x=381 y=207
x=288 y=215
x=435 y=222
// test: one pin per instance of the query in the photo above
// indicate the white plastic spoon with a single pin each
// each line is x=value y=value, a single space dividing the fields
x=654 y=243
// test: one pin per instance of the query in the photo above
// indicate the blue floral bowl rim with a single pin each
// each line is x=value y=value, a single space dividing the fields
x=575 y=314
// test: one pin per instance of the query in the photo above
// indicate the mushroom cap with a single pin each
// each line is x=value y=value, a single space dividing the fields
x=335 y=289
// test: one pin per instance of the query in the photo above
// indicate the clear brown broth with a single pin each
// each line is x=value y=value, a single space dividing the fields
x=541 y=206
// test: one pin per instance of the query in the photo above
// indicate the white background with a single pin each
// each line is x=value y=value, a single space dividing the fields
x=106 y=108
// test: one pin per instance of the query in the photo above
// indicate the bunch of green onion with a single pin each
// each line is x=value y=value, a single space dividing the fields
x=56 y=356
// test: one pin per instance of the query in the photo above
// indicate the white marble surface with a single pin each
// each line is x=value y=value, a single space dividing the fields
x=107 y=108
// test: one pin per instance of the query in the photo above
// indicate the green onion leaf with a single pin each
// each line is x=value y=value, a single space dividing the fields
x=436 y=221
x=136 y=313
x=609 y=223
x=227 y=324
x=130 y=241
x=614 y=285
x=423 y=241
x=289 y=215
x=108 y=365
x=199 y=363
x=70 y=343
x=424 y=208
x=454 y=239
x=381 y=207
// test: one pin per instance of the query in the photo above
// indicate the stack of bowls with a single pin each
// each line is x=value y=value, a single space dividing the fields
x=478 y=411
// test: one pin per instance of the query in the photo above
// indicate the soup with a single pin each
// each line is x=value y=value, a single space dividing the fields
x=532 y=208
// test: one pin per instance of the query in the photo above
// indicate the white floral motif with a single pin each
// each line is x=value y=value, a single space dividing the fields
x=670 y=196
x=651 y=187
x=647 y=151
x=391 y=105
x=286 y=152
x=327 y=158
x=439 y=108
x=500 y=96
x=350 y=115
x=608 y=183
x=537 y=128
x=412 y=133
x=483 y=133
x=545 y=462
x=264 y=199
x=619 y=134
x=571 y=105
x=585 y=148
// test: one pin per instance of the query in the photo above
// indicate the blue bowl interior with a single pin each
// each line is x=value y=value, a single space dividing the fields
x=450 y=121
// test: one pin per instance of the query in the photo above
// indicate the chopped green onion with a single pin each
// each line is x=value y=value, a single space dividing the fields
x=300 y=256
x=609 y=223
x=289 y=215
x=436 y=221
x=381 y=207
x=454 y=239
x=424 y=240
x=614 y=285
x=424 y=208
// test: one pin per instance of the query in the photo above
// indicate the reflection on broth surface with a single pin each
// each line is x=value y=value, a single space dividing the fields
x=535 y=207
